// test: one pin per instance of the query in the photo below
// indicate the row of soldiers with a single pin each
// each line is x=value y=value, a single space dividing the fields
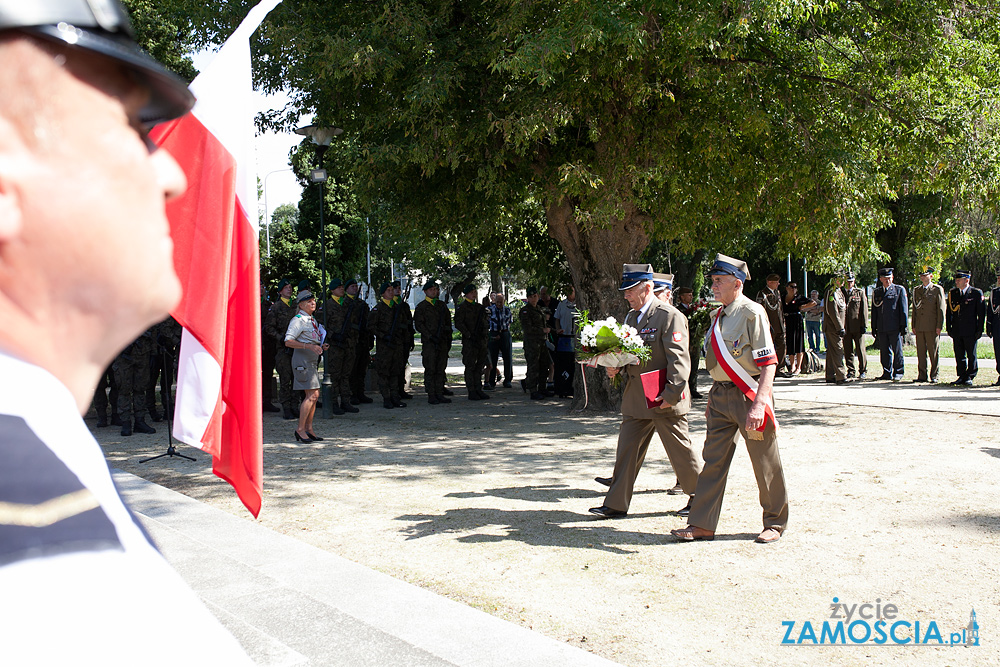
x=128 y=385
x=962 y=312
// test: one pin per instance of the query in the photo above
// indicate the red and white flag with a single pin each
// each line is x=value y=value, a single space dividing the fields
x=214 y=229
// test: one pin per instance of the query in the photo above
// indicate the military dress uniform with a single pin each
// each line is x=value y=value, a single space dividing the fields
x=664 y=329
x=472 y=321
x=856 y=325
x=536 y=353
x=927 y=323
x=993 y=323
x=384 y=323
x=835 y=328
x=889 y=321
x=746 y=335
x=432 y=319
x=275 y=326
x=965 y=318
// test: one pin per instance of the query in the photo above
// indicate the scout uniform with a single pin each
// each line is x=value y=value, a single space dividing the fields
x=773 y=302
x=993 y=323
x=384 y=323
x=889 y=315
x=927 y=322
x=536 y=354
x=472 y=320
x=663 y=329
x=965 y=317
x=856 y=325
x=432 y=319
x=276 y=325
x=834 y=328
x=746 y=348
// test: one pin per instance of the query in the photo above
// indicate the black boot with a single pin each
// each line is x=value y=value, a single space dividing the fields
x=336 y=409
x=288 y=414
x=127 y=429
x=102 y=421
x=116 y=420
x=447 y=392
x=443 y=399
x=387 y=404
x=154 y=415
x=346 y=406
x=432 y=399
x=142 y=427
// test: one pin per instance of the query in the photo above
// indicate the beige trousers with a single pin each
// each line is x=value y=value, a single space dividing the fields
x=727 y=414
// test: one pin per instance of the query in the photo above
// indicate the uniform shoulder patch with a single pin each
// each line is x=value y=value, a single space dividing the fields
x=44 y=507
x=678 y=336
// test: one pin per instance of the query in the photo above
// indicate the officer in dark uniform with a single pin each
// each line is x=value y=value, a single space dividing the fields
x=534 y=327
x=364 y=339
x=276 y=325
x=472 y=321
x=402 y=358
x=890 y=310
x=993 y=323
x=432 y=319
x=384 y=323
x=856 y=328
x=340 y=334
x=965 y=316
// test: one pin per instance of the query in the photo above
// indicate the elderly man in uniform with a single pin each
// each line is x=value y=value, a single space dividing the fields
x=82 y=222
x=534 y=328
x=275 y=326
x=856 y=325
x=889 y=321
x=965 y=317
x=993 y=322
x=834 y=328
x=432 y=319
x=665 y=331
x=472 y=321
x=770 y=297
x=385 y=324
x=927 y=322
x=742 y=363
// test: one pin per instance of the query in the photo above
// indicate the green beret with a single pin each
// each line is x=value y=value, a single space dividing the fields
x=335 y=283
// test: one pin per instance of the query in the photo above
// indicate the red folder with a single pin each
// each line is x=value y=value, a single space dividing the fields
x=653 y=383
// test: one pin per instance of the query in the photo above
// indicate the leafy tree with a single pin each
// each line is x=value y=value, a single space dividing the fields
x=165 y=35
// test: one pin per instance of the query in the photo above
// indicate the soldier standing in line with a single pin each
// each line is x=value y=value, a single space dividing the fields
x=855 y=329
x=770 y=297
x=835 y=328
x=162 y=360
x=889 y=321
x=408 y=334
x=275 y=326
x=472 y=321
x=364 y=339
x=432 y=319
x=340 y=313
x=993 y=323
x=131 y=368
x=685 y=304
x=268 y=349
x=102 y=397
x=384 y=323
x=928 y=321
x=534 y=328
x=965 y=317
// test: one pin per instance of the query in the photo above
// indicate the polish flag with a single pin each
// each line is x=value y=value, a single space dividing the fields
x=214 y=230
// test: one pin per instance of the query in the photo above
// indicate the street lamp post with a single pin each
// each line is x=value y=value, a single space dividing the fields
x=322 y=136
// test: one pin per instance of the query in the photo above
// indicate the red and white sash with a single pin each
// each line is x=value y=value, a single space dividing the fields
x=738 y=374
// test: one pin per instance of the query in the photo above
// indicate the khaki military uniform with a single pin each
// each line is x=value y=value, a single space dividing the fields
x=384 y=323
x=472 y=320
x=746 y=333
x=834 y=327
x=433 y=320
x=536 y=353
x=856 y=325
x=927 y=322
x=663 y=329
x=773 y=307
x=275 y=326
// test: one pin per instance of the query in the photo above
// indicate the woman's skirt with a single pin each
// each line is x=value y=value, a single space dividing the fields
x=305 y=365
x=794 y=335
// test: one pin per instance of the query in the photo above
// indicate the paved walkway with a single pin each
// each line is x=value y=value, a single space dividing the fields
x=290 y=603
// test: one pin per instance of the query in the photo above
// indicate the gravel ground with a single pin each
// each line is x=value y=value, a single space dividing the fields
x=893 y=498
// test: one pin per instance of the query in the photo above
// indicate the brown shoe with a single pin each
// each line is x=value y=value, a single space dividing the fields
x=768 y=535
x=692 y=533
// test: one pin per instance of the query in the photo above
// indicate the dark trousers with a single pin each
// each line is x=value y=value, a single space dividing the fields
x=131 y=374
x=267 y=352
x=359 y=373
x=500 y=344
x=435 y=360
x=164 y=375
x=565 y=367
x=283 y=364
x=102 y=398
x=340 y=361
x=536 y=356
x=966 y=362
x=474 y=359
x=385 y=367
x=890 y=346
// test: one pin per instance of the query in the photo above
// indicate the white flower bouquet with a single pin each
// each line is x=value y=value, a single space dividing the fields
x=609 y=343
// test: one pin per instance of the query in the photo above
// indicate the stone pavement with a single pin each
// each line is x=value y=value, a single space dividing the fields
x=290 y=603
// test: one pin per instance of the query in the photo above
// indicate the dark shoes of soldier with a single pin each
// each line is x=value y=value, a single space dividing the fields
x=407 y=395
x=474 y=395
x=155 y=416
x=695 y=394
x=355 y=400
x=143 y=427
x=448 y=392
x=396 y=403
x=489 y=385
x=686 y=510
x=884 y=376
x=507 y=384
x=606 y=512
x=127 y=429
x=524 y=386
x=102 y=421
x=388 y=405
x=116 y=420
x=270 y=407
x=850 y=374
x=537 y=396
x=443 y=399
x=482 y=395
x=347 y=407
x=288 y=414
x=548 y=393
x=335 y=408
x=605 y=481
x=433 y=400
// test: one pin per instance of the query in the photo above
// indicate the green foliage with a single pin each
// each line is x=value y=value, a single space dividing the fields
x=164 y=35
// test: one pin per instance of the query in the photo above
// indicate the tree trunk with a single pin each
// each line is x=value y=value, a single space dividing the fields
x=595 y=257
x=496 y=283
